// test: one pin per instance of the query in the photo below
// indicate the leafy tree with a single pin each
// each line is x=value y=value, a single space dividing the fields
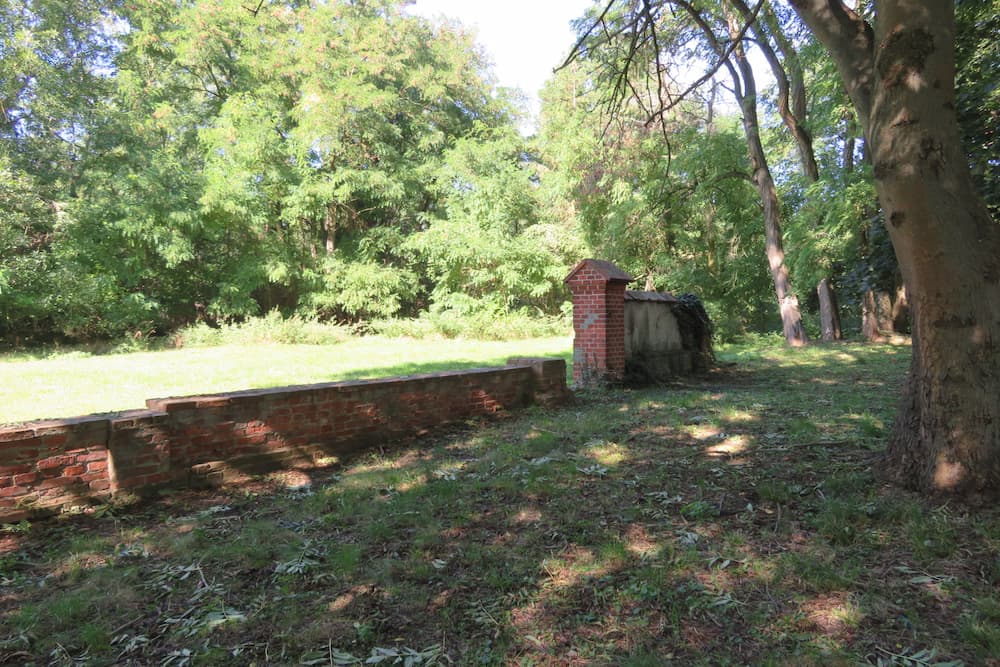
x=485 y=251
x=216 y=159
x=631 y=44
x=675 y=208
x=977 y=98
x=899 y=71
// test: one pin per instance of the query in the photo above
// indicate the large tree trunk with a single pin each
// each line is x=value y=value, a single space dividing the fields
x=877 y=324
x=946 y=437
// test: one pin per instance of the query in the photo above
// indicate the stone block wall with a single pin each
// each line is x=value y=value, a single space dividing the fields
x=206 y=440
x=631 y=336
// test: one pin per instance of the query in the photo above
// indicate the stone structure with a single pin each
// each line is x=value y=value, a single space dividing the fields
x=630 y=336
x=598 y=289
x=206 y=440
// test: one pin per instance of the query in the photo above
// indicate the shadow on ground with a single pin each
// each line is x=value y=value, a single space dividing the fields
x=728 y=520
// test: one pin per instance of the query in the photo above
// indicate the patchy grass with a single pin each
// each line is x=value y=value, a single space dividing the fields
x=732 y=520
x=65 y=384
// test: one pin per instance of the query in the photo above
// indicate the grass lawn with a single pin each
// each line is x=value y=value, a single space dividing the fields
x=76 y=383
x=730 y=520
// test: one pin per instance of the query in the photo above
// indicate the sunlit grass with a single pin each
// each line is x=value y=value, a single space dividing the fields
x=76 y=383
x=614 y=531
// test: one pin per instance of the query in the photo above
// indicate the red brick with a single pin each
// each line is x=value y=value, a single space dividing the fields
x=57 y=482
x=54 y=462
x=16 y=435
x=25 y=478
x=12 y=491
x=55 y=440
x=13 y=516
x=74 y=470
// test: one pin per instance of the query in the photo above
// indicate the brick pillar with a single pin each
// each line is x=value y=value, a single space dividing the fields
x=598 y=321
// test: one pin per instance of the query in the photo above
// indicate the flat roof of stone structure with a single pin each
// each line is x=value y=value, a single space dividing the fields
x=636 y=295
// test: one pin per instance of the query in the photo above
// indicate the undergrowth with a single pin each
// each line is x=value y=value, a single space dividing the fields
x=271 y=328
x=476 y=326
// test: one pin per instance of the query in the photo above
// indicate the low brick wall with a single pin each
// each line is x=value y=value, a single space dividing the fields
x=199 y=440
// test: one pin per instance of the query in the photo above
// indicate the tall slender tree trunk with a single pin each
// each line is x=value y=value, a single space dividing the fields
x=829 y=311
x=330 y=229
x=746 y=95
x=788 y=75
x=946 y=437
x=745 y=92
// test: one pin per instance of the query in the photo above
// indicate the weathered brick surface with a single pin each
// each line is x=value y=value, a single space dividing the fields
x=45 y=465
x=212 y=439
x=598 y=289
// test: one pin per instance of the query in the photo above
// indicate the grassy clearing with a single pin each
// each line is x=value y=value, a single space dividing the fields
x=63 y=384
x=727 y=521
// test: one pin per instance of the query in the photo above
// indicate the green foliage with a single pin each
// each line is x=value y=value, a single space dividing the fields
x=197 y=171
x=475 y=325
x=486 y=255
x=165 y=164
x=353 y=290
x=676 y=210
x=977 y=61
x=272 y=328
x=829 y=225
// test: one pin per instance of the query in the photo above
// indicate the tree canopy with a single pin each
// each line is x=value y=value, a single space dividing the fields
x=172 y=162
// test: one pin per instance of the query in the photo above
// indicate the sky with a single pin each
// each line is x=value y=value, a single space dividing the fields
x=526 y=39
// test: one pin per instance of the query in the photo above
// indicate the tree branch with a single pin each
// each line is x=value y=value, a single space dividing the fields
x=793 y=122
x=851 y=43
x=723 y=54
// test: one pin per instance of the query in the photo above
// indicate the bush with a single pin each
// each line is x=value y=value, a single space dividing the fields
x=358 y=290
x=272 y=328
x=481 y=325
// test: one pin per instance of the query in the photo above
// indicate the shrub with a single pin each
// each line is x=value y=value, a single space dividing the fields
x=479 y=325
x=353 y=290
x=272 y=328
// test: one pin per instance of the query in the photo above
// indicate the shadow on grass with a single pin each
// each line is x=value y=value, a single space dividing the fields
x=711 y=523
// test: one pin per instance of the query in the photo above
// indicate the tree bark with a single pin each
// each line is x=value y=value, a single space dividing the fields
x=901 y=310
x=793 y=118
x=330 y=229
x=745 y=91
x=849 y=140
x=869 y=325
x=791 y=318
x=877 y=324
x=900 y=76
x=829 y=312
